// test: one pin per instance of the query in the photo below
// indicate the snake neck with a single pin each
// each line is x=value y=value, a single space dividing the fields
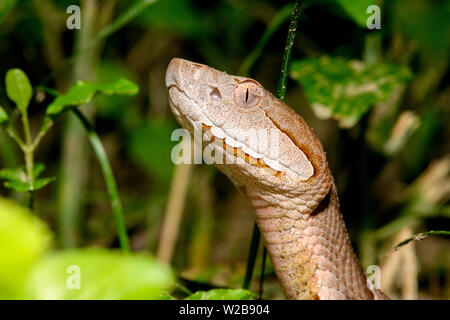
x=311 y=253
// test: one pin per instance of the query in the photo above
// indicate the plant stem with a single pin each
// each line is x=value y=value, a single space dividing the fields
x=274 y=25
x=420 y=236
x=263 y=269
x=28 y=151
x=174 y=212
x=75 y=163
x=109 y=179
x=256 y=235
x=29 y=163
x=48 y=123
x=281 y=92
x=13 y=134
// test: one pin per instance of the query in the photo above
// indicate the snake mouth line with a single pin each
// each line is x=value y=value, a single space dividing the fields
x=174 y=86
x=239 y=153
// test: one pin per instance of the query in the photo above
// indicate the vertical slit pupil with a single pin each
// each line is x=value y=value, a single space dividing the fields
x=246 y=95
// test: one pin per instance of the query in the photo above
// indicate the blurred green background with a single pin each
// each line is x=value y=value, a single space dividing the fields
x=377 y=99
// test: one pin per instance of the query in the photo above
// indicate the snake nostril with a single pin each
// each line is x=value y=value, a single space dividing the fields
x=215 y=94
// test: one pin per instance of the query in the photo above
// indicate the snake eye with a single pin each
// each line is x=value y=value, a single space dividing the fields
x=247 y=94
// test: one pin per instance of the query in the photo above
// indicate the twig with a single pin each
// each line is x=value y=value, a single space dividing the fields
x=274 y=25
x=174 y=210
x=48 y=123
x=256 y=235
x=421 y=236
x=281 y=92
x=75 y=151
x=261 y=278
x=109 y=179
x=13 y=134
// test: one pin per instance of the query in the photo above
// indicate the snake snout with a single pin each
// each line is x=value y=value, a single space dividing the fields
x=172 y=73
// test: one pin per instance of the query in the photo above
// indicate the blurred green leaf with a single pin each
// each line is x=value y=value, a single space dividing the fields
x=3 y=115
x=40 y=183
x=416 y=152
x=206 y=274
x=13 y=174
x=83 y=92
x=407 y=123
x=150 y=147
x=18 y=186
x=38 y=169
x=178 y=16
x=63 y=4
x=432 y=33
x=384 y=118
x=18 y=88
x=113 y=106
x=17 y=178
x=23 y=238
x=356 y=9
x=102 y=275
x=166 y=296
x=5 y=7
x=223 y=294
x=345 y=89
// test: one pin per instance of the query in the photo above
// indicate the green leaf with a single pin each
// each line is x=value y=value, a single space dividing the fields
x=417 y=151
x=38 y=169
x=13 y=174
x=431 y=34
x=177 y=16
x=345 y=89
x=40 y=183
x=18 y=88
x=23 y=239
x=356 y=9
x=6 y=6
x=17 y=178
x=83 y=92
x=223 y=294
x=18 y=186
x=112 y=106
x=3 y=115
x=102 y=274
x=166 y=296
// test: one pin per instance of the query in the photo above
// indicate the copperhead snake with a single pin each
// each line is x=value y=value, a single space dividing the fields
x=291 y=191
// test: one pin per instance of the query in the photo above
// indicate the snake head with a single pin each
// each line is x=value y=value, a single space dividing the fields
x=250 y=135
